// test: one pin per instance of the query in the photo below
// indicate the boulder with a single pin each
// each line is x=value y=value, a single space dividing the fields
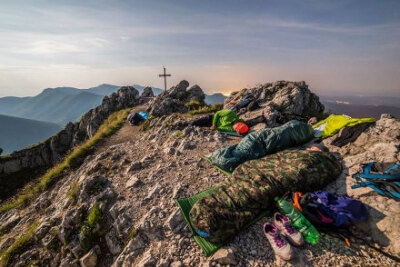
x=195 y=93
x=174 y=220
x=175 y=98
x=179 y=91
x=148 y=260
x=134 y=181
x=113 y=243
x=89 y=260
x=225 y=257
x=147 y=92
x=281 y=102
x=167 y=106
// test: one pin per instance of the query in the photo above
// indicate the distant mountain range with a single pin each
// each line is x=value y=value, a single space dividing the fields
x=362 y=106
x=391 y=101
x=64 y=104
x=58 y=105
x=215 y=98
x=17 y=133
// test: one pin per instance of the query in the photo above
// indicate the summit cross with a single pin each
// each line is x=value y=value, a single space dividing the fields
x=165 y=75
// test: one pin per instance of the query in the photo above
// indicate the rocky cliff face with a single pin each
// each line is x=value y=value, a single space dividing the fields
x=117 y=208
x=14 y=168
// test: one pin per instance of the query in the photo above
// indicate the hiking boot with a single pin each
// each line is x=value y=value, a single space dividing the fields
x=281 y=248
x=283 y=224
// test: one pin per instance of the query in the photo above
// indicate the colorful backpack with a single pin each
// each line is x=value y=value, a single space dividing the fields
x=384 y=178
x=326 y=209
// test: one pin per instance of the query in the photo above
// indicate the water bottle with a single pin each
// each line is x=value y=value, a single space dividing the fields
x=297 y=220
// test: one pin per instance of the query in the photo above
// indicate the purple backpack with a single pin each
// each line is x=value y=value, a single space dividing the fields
x=324 y=208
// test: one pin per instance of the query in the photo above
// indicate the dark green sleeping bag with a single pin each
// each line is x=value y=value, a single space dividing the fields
x=254 y=184
x=261 y=143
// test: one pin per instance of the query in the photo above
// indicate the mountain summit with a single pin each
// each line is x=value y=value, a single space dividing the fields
x=107 y=198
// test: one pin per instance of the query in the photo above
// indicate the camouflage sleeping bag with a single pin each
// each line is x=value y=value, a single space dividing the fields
x=254 y=184
x=258 y=144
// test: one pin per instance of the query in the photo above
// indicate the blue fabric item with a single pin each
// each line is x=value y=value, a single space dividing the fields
x=201 y=233
x=343 y=210
x=392 y=168
x=143 y=114
x=233 y=134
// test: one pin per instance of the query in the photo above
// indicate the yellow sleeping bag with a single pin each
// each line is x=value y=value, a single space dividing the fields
x=334 y=123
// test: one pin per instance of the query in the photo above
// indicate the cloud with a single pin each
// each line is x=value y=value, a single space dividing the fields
x=50 y=47
x=98 y=42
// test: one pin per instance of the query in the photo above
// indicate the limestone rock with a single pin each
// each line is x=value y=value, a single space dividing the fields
x=175 y=98
x=177 y=264
x=225 y=256
x=195 y=93
x=148 y=260
x=42 y=229
x=167 y=106
x=89 y=260
x=282 y=101
x=174 y=220
x=134 y=181
x=135 y=166
x=113 y=243
x=179 y=91
x=147 y=92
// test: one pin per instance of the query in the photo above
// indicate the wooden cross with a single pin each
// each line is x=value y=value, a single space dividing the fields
x=165 y=75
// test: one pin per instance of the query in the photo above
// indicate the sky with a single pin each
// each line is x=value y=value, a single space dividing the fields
x=338 y=47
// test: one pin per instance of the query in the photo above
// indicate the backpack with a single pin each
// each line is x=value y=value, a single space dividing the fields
x=136 y=118
x=384 y=178
x=326 y=209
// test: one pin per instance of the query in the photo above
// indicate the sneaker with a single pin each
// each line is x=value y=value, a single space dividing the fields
x=278 y=244
x=283 y=224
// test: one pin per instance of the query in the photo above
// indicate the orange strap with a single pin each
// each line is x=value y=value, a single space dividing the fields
x=296 y=203
x=347 y=241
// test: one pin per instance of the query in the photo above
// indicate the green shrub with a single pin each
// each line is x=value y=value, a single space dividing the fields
x=207 y=109
x=132 y=234
x=86 y=238
x=88 y=234
x=194 y=105
x=94 y=216
x=75 y=158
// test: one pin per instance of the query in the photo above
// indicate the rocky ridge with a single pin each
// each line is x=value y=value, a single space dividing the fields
x=19 y=164
x=117 y=208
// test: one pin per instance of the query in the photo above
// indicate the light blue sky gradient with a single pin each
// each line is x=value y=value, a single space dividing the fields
x=338 y=47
